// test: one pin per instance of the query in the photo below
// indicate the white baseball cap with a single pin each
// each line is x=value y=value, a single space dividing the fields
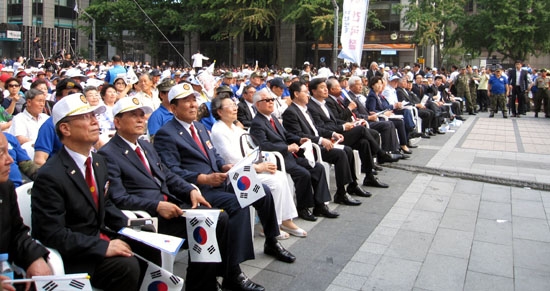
x=74 y=104
x=181 y=91
x=128 y=104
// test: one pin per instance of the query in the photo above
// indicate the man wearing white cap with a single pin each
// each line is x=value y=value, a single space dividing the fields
x=185 y=147
x=71 y=207
x=139 y=181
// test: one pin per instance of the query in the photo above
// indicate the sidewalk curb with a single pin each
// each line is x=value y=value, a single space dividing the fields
x=470 y=176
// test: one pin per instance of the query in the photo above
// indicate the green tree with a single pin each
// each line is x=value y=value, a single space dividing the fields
x=434 y=21
x=515 y=28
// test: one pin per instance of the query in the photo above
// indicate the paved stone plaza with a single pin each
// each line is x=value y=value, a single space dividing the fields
x=469 y=211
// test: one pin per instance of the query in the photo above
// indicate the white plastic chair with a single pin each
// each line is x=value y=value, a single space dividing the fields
x=24 y=200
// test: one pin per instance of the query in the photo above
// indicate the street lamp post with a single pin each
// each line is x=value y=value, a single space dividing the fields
x=335 y=41
x=93 y=33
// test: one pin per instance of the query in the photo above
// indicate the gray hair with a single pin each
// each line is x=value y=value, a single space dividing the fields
x=354 y=79
x=32 y=93
x=258 y=95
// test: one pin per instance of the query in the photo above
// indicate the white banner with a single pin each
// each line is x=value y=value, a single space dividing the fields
x=245 y=182
x=157 y=278
x=354 y=21
x=201 y=235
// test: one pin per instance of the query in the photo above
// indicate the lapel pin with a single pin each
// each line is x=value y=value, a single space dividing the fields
x=181 y=132
x=72 y=172
x=97 y=164
x=126 y=152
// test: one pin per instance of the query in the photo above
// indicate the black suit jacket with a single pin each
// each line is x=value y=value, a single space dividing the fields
x=15 y=239
x=65 y=216
x=271 y=140
x=371 y=74
x=340 y=112
x=361 y=111
x=523 y=78
x=321 y=120
x=295 y=122
x=243 y=114
x=132 y=186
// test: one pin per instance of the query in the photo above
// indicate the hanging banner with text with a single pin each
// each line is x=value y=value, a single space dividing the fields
x=354 y=21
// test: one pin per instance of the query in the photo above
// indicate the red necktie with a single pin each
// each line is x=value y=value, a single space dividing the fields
x=273 y=124
x=197 y=140
x=93 y=190
x=142 y=159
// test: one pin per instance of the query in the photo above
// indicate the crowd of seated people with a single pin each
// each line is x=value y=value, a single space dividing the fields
x=163 y=140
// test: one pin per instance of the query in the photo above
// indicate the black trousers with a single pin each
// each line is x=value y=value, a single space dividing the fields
x=520 y=96
x=386 y=129
x=310 y=183
x=344 y=166
x=359 y=138
x=200 y=276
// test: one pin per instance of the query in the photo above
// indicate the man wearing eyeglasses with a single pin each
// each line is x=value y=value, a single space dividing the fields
x=310 y=182
x=71 y=207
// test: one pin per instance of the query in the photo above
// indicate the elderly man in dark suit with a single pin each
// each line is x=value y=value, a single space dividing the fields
x=15 y=240
x=309 y=181
x=297 y=120
x=246 y=110
x=184 y=146
x=71 y=207
x=356 y=136
x=139 y=181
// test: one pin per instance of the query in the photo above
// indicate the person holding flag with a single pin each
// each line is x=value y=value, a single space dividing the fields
x=71 y=206
x=139 y=181
x=184 y=146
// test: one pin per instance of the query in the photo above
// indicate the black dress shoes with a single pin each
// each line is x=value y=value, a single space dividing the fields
x=472 y=113
x=387 y=158
x=423 y=135
x=439 y=131
x=458 y=117
x=241 y=282
x=279 y=252
x=346 y=199
x=306 y=214
x=406 y=151
x=405 y=157
x=377 y=168
x=374 y=182
x=431 y=132
x=357 y=191
x=322 y=210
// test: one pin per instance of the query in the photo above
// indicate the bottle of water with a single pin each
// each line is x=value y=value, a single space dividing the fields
x=6 y=269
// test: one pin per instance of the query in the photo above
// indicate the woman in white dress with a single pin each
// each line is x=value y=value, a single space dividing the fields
x=226 y=138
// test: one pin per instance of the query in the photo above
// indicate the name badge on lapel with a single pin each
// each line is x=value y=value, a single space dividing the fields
x=209 y=144
x=106 y=188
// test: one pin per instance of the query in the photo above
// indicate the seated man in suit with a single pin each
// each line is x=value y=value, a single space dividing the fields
x=184 y=146
x=246 y=110
x=71 y=207
x=310 y=182
x=139 y=181
x=356 y=99
x=356 y=137
x=298 y=121
x=15 y=240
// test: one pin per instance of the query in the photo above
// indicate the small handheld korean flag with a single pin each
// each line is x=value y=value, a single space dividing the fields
x=131 y=77
x=158 y=279
x=63 y=282
x=245 y=182
x=201 y=235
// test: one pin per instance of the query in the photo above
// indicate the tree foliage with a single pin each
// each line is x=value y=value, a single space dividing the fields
x=434 y=21
x=513 y=28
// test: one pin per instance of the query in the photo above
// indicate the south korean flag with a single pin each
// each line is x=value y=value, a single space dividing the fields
x=201 y=235
x=245 y=182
